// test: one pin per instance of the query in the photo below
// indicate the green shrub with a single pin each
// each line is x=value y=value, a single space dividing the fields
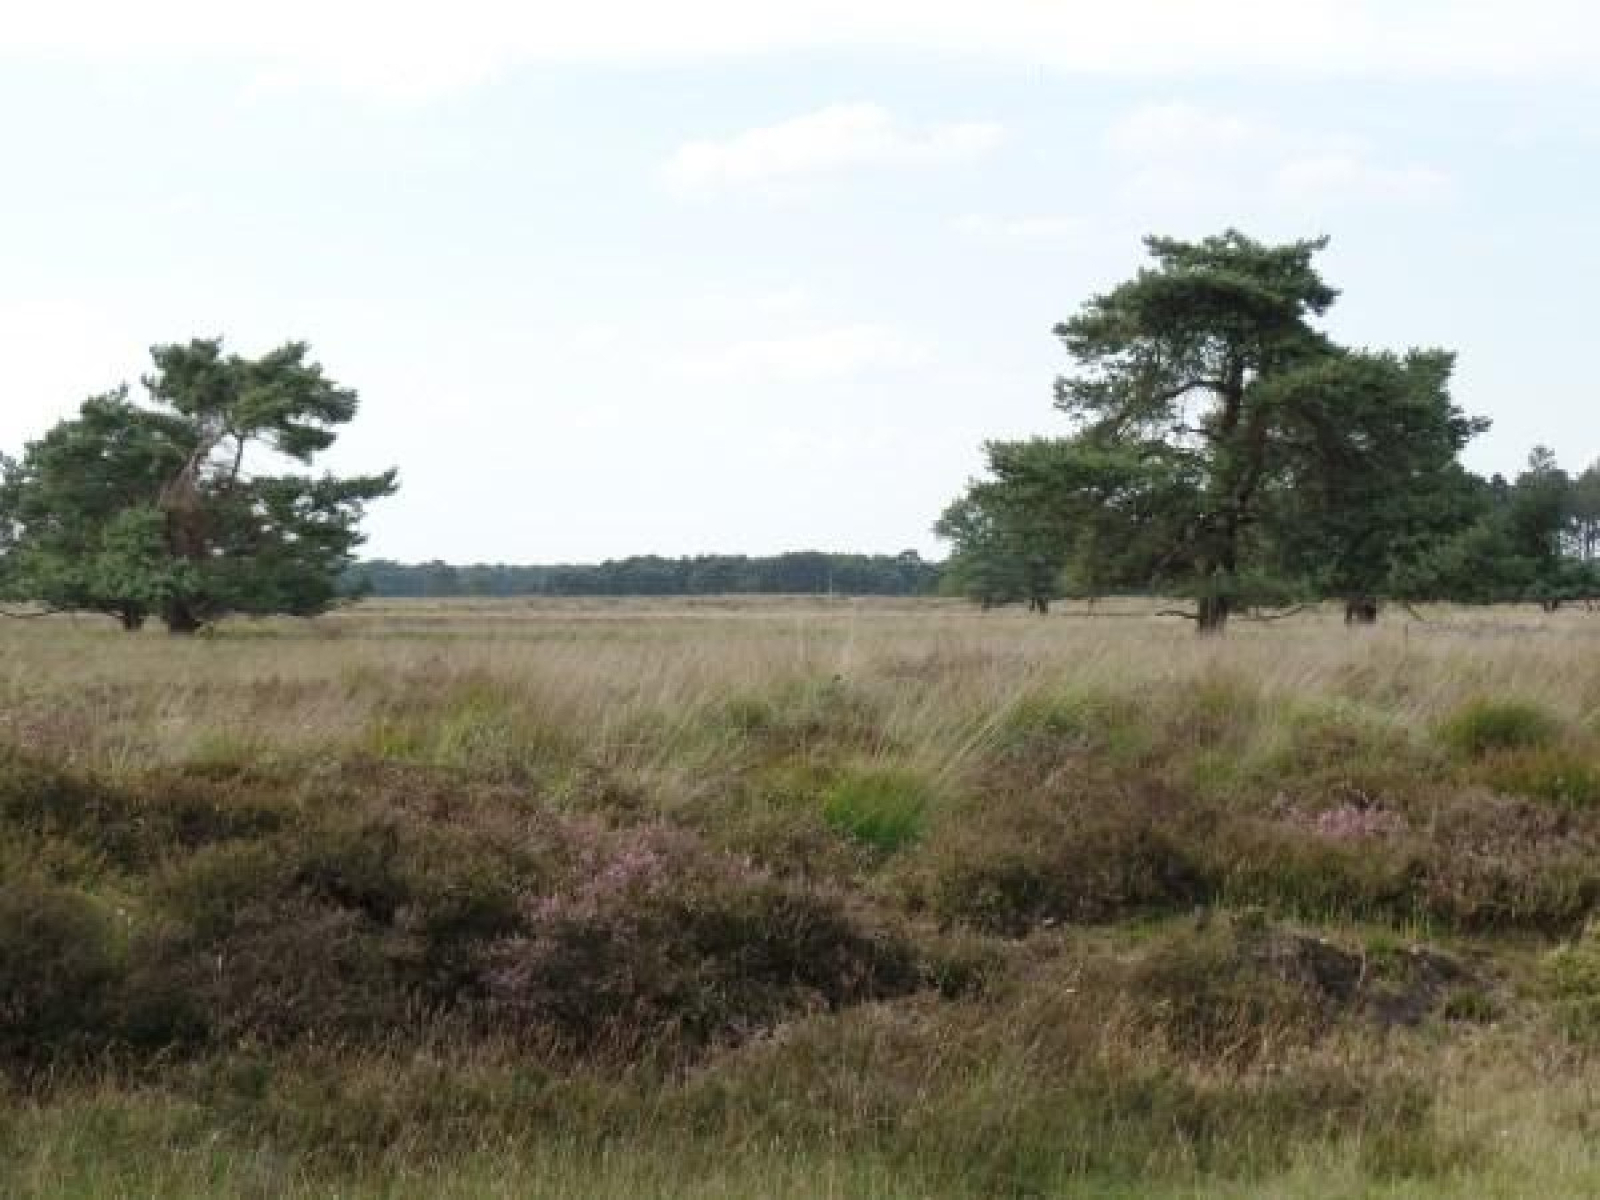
x=1483 y=727
x=883 y=808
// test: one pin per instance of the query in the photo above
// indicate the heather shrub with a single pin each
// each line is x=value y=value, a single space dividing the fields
x=881 y=807
x=133 y=825
x=1484 y=726
x=1497 y=862
x=1237 y=989
x=60 y=964
x=281 y=972
x=1239 y=986
x=354 y=929
x=1344 y=860
x=1027 y=862
x=659 y=941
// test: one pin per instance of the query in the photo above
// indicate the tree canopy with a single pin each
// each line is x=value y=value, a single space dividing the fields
x=186 y=506
x=1223 y=447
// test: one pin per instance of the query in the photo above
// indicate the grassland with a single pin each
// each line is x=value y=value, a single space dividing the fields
x=800 y=898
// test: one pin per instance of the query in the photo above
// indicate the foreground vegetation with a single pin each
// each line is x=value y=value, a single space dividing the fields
x=783 y=899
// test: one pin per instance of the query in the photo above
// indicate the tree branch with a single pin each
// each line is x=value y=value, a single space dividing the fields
x=1281 y=616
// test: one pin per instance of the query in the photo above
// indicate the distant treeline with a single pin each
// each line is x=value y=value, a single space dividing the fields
x=799 y=573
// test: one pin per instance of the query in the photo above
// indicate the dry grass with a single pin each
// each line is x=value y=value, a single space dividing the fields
x=799 y=898
x=624 y=677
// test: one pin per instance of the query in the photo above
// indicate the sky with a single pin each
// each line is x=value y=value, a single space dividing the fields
x=731 y=276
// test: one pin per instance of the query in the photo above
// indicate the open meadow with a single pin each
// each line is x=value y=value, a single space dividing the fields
x=800 y=898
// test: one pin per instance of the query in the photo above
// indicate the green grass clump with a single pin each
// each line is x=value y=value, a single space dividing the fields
x=1548 y=774
x=1483 y=727
x=1050 y=726
x=883 y=808
x=1572 y=974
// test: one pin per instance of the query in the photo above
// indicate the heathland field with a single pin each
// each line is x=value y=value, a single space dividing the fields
x=800 y=898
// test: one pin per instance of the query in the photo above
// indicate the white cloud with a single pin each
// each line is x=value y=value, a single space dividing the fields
x=420 y=47
x=838 y=138
x=834 y=353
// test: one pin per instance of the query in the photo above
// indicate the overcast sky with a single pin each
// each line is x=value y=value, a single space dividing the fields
x=721 y=275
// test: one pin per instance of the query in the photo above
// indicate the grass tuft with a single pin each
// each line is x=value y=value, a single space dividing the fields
x=1487 y=726
x=883 y=808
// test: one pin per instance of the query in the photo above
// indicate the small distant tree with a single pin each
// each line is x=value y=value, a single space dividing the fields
x=1584 y=502
x=987 y=564
x=1519 y=540
x=162 y=508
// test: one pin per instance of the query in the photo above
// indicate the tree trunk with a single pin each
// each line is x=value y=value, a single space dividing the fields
x=180 y=618
x=1213 y=615
x=1360 y=610
x=132 y=620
